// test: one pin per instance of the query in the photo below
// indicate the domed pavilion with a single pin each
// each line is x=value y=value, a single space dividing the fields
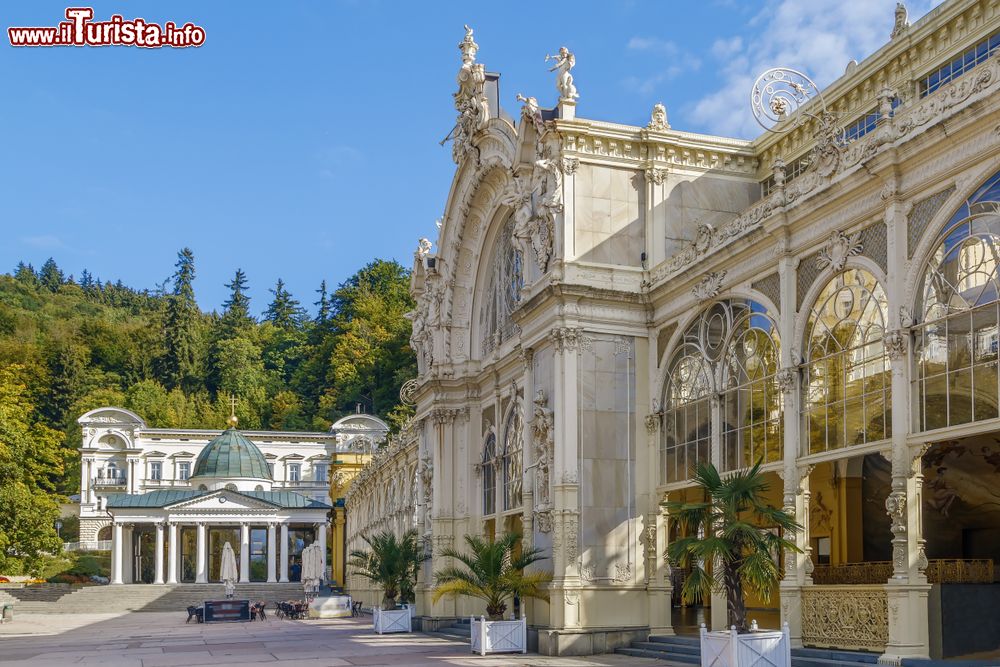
x=230 y=496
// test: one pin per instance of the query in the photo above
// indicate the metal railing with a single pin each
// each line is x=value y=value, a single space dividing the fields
x=110 y=481
x=939 y=571
x=93 y=545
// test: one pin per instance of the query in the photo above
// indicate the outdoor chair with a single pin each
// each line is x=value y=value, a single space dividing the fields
x=261 y=615
x=356 y=608
x=197 y=612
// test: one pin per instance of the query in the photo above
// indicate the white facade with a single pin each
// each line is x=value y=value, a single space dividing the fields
x=607 y=305
x=121 y=454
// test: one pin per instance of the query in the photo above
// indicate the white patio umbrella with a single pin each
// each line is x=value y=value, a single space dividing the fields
x=312 y=567
x=227 y=570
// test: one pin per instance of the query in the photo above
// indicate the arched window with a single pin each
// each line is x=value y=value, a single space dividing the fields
x=231 y=487
x=751 y=400
x=734 y=342
x=955 y=342
x=847 y=380
x=513 y=464
x=489 y=472
x=503 y=290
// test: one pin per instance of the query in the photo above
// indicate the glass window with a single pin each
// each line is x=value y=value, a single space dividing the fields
x=489 y=473
x=752 y=428
x=270 y=469
x=512 y=462
x=955 y=343
x=155 y=471
x=846 y=386
x=735 y=341
x=979 y=53
x=294 y=472
x=184 y=470
x=503 y=291
x=319 y=472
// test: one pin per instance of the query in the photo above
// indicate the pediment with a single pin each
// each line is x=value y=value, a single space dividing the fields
x=222 y=500
x=181 y=455
x=154 y=455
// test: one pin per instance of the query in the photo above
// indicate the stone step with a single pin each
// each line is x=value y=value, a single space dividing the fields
x=680 y=640
x=673 y=649
x=825 y=662
x=659 y=655
x=834 y=654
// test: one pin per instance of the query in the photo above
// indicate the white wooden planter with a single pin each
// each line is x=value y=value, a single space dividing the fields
x=499 y=636
x=753 y=649
x=394 y=620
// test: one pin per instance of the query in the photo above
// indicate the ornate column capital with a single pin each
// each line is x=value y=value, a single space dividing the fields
x=787 y=379
x=653 y=421
x=896 y=343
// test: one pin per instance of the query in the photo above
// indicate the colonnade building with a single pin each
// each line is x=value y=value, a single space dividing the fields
x=607 y=305
x=165 y=501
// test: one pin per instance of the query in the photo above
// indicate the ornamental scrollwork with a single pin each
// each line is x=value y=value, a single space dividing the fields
x=845 y=618
x=709 y=286
x=895 y=343
x=838 y=250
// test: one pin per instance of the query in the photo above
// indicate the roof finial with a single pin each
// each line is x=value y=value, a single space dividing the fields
x=232 y=421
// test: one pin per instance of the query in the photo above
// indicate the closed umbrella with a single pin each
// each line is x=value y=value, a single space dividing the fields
x=228 y=572
x=312 y=567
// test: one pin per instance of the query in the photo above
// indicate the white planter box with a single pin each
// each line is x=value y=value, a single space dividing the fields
x=394 y=620
x=754 y=649
x=499 y=636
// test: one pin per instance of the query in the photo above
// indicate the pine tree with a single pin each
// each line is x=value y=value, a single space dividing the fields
x=237 y=306
x=323 y=305
x=179 y=327
x=284 y=311
x=86 y=280
x=25 y=273
x=50 y=275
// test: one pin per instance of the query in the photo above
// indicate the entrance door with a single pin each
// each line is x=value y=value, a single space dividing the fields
x=143 y=555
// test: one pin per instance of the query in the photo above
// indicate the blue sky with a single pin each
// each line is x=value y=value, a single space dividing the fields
x=301 y=140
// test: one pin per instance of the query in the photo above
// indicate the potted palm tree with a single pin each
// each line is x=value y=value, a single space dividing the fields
x=731 y=530
x=493 y=571
x=391 y=563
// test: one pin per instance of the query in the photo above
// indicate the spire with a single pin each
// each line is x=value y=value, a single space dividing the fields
x=232 y=421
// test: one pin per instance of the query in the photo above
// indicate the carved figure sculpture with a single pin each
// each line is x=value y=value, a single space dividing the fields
x=565 y=61
x=543 y=432
x=658 y=119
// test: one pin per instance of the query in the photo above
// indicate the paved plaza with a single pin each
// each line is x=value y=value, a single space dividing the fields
x=163 y=639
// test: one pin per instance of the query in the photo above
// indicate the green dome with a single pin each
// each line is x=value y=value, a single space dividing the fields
x=231 y=455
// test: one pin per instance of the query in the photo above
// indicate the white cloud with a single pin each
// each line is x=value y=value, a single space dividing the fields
x=724 y=48
x=44 y=242
x=818 y=38
x=652 y=44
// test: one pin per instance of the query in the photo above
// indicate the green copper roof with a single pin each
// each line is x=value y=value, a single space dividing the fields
x=167 y=497
x=231 y=455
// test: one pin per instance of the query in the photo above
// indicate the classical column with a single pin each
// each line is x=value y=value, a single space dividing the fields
x=244 y=552
x=173 y=553
x=321 y=538
x=116 y=550
x=719 y=608
x=284 y=553
x=272 y=553
x=159 y=554
x=201 y=576
x=85 y=482
x=907 y=589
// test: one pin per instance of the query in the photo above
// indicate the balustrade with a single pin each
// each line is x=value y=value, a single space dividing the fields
x=943 y=571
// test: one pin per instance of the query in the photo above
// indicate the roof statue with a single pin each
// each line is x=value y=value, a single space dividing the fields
x=565 y=61
x=470 y=100
x=900 y=25
x=658 y=119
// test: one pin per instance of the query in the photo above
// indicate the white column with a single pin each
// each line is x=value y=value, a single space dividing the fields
x=202 y=573
x=159 y=554
x=321 y=538
x=272 y=553
x=244 y=552
x=173 y=556
x=116 y=550
x=85 y=482
x=284 y=553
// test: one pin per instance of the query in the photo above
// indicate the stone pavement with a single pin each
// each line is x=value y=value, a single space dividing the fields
x=163 y=639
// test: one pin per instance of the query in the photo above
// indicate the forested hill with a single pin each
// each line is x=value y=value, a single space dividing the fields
x=70 y=345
